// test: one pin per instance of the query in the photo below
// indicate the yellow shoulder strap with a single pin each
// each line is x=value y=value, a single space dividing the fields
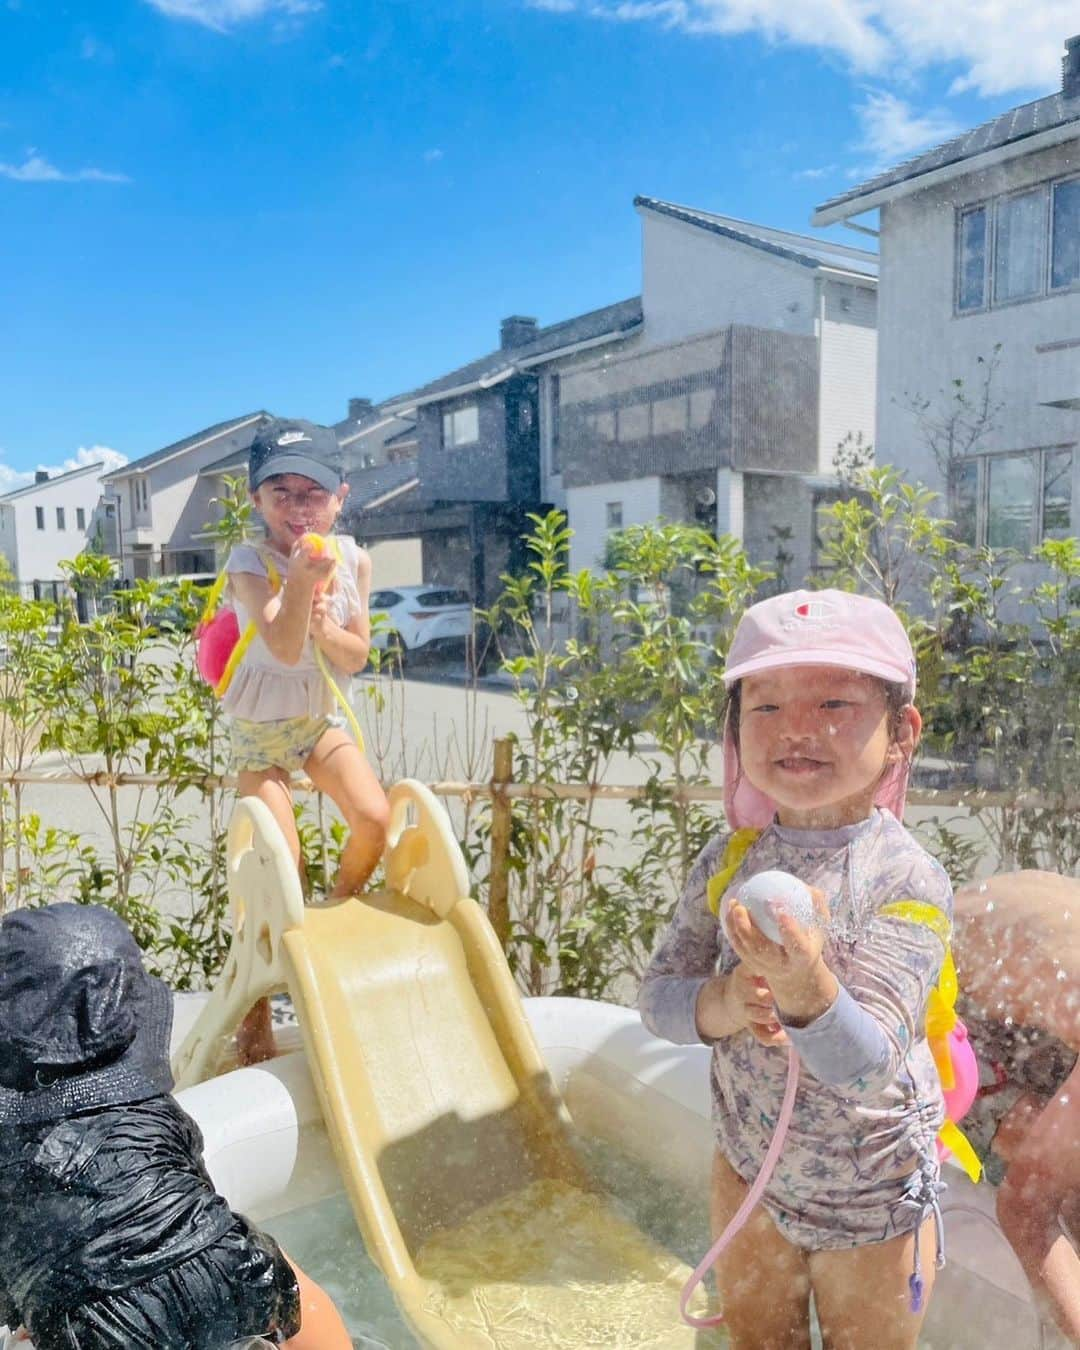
x=940 y=1020
x=248 y=635
x=738 y=846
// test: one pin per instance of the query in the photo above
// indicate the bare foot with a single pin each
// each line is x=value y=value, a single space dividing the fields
x=255 y=1035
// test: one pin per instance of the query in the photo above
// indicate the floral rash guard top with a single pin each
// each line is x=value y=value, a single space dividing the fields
x=856 y=1153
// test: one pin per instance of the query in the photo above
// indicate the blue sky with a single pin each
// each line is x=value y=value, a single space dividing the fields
x=211 y=206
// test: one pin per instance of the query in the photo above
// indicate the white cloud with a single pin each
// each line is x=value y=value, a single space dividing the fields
x=998 y=48
x=11 y=479
x=432 y=156
x=552 y=6
x=36 y=169
x=221 y=15
x=892 y=130
x=92 y=454
x=822 y=172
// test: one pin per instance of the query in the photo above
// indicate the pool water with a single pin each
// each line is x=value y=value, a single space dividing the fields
x=966 y=1313
x=323 y=1239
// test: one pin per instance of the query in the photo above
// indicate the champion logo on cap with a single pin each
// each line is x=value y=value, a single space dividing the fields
x=815 y=613
x=292 y=438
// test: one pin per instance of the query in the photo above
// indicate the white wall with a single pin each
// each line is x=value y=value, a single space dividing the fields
x=923 y=345
x=35 y=555
x=694 y=281
x=847 y=366
x=396 y=562
x=641 y=501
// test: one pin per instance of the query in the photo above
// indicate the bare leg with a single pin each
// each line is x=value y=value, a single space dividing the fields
x=861 y=1294
x=322 y=1327
x=255 y=1035
x=762 y=1279
x=337 y=767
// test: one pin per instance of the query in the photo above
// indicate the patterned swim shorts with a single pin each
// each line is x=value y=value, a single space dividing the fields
x=283 y=744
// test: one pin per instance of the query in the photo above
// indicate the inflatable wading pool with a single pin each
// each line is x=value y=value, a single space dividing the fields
x=463 y=1124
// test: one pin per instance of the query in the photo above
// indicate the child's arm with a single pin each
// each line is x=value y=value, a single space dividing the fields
x=282 y=619
x=682 y=999
x=854 y=1036
x=346 y=647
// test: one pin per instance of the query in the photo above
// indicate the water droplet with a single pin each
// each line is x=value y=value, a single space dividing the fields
x=989 y=906
x=1009 y=1021
x=984 y=887
x=1060 y=976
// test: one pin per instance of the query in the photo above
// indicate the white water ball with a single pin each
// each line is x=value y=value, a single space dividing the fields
x=775 y=891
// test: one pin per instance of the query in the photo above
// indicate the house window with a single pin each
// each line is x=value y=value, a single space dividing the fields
x=965 y=498
x=671 y=415
x=556 y=448
x=971 y=260
x=1013 y=500
x=461 y=427
x=39 y=514
x=1065 y=248
x=613 y=511
x=60 y=525
x=1010 y=501
x=1018 y=247
x=80 y=517
x=633 y=423
x=1057 y=494
x=1020 y=234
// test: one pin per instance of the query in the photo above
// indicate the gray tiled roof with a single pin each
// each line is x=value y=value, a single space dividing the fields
x=797 y=248
x=368 y=485
x=177 y=447
x=404 y=436
x=612 y=319
x=1044 y=114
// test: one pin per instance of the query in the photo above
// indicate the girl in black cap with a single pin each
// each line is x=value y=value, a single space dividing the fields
x=312 y=633
x=112 y=1236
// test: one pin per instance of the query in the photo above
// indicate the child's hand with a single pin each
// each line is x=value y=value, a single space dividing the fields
x=321 y=625
x=739 y=1001
x=751 y=1000
x=308 y=567
x=791 y=968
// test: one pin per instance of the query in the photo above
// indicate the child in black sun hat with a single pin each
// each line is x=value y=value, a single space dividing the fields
x=112 y=1236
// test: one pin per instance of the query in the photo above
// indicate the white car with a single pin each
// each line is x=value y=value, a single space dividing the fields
x=406 y=618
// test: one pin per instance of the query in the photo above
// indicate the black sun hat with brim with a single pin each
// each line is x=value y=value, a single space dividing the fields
x=83 y=1025
x=295 y=446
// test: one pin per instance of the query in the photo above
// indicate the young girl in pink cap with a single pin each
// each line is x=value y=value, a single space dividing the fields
x=818 y=740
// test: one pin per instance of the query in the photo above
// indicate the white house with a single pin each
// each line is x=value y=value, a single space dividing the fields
x=754 y=360
x=51 y=521
x=980 y=271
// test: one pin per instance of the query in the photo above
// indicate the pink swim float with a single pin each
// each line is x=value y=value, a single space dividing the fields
x=959 y=1097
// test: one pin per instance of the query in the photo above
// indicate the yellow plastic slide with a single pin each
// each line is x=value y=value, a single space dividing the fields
x=453 y=1143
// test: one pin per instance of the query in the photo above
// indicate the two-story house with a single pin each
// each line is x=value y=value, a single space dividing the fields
x=980 y=283
x=51 y=520
x=478 y=466
x=754 y=360
x=719 y=396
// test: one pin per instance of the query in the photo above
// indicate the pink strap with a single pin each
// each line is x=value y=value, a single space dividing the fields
x=787 y=1108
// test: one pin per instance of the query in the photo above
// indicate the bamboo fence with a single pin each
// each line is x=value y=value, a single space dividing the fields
x=502 y=789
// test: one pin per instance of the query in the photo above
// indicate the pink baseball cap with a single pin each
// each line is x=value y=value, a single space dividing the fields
x=815 y=628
